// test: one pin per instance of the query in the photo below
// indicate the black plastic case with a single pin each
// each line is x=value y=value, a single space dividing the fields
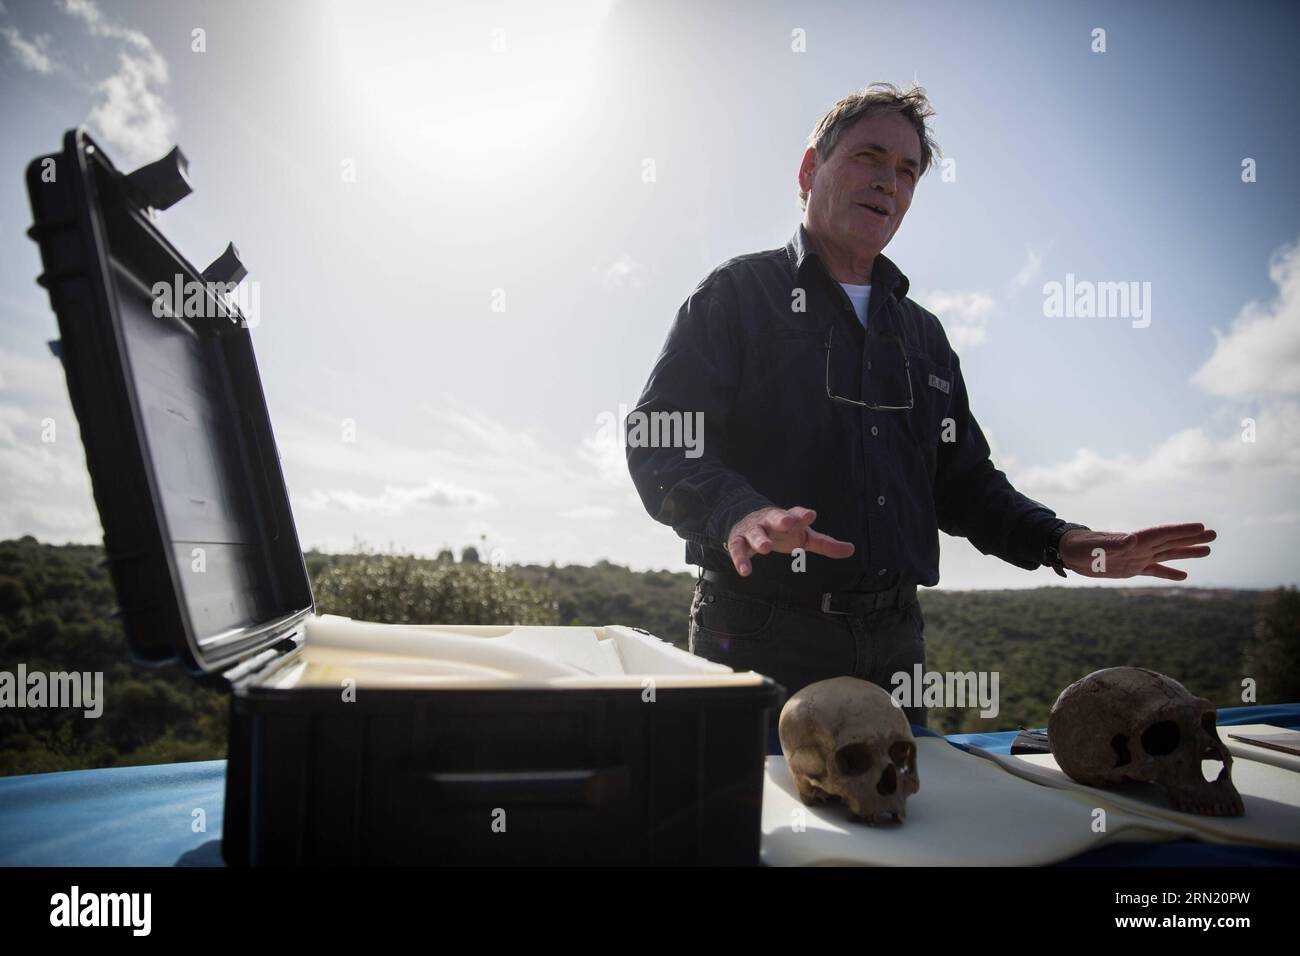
x=208 y=570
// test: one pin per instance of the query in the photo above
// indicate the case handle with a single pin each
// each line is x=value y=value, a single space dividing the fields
x=591 y=787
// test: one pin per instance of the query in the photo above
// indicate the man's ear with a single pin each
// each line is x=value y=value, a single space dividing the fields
x=807 y=169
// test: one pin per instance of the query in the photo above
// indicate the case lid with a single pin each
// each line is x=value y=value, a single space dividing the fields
x=198 y=533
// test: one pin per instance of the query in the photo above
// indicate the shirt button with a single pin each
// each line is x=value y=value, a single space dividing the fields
x=881 y=572
x=880 y=500
x=875 y=430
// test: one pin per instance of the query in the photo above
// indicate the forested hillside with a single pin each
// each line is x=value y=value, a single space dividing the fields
x=56 y=605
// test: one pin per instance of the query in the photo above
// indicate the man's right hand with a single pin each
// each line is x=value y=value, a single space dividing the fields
x=782 y=530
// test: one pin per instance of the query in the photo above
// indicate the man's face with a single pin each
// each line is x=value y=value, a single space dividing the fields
x=876 y=162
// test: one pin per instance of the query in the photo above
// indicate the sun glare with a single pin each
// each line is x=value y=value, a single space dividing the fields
x=489 y=92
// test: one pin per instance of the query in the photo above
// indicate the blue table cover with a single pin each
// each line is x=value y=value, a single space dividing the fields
x=150 y=816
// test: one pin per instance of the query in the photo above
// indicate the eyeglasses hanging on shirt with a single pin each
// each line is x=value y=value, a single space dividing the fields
x=907 y=374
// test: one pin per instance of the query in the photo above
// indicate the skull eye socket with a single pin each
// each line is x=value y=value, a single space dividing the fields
x=853 y=760
x=903 y=754
x=1161 y=738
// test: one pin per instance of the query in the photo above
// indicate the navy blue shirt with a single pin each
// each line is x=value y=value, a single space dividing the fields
x=746 y=359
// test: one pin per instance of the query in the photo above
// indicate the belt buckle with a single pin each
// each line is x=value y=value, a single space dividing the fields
x=826 y=604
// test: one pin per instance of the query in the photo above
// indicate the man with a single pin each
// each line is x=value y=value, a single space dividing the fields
x=837 y=435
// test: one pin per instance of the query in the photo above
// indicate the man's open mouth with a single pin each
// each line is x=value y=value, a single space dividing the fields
x=878 y=210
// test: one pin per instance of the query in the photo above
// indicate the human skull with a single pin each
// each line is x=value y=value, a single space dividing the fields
x=1127 y=723
x=845 y=740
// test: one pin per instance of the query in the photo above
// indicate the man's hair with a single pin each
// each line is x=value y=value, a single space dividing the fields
x=869 y=101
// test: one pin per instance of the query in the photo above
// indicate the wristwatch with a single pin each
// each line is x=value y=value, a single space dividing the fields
x=1052 y=552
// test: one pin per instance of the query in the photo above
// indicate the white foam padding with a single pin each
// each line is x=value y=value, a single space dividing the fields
x=1271 y=796
x=968 y=812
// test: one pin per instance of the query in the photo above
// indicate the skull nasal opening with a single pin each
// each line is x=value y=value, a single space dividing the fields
x=888 y=784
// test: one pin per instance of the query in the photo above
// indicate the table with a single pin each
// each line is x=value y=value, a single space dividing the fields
x=148 y=816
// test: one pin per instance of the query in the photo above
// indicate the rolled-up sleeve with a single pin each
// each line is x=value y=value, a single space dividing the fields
x=698 y=374
x=974 y=500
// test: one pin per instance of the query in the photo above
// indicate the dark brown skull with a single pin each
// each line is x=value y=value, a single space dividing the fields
x=1127 y=723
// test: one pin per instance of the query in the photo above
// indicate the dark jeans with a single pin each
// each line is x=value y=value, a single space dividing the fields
x=797 y=646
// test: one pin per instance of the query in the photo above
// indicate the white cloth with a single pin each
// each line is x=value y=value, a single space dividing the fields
x=860 y=296
x=968 y=812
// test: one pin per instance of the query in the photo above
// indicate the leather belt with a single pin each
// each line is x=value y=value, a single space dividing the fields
x=828 y=602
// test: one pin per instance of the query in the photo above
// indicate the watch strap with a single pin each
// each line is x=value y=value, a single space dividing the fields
x=1052 y=551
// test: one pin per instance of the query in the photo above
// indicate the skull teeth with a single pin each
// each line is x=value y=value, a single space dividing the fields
x=880 y=817
x=1226 y=807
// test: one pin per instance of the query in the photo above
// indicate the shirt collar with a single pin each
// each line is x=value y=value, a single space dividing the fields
x=885 y=276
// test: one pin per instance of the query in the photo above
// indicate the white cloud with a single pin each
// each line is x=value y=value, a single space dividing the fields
x=965 y=315
x=1282 y=518
x=1258 y=358
x=1190 y=454
x=1028 y=270
x=1259 y=355
x=624 y=273
x=1033 y=264
x=469 y=429
x=1085 y=470
x=588 y=513
x=44 y=484
x=547 y=502
x=28 y=461
x=89 y=13
x=33 y=393
x=29 y=377
x=396 y=500
x=32 y=54
x=480 y=463
x=607 y=457
x=131 y=113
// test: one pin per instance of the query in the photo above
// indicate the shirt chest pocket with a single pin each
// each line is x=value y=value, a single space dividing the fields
x=928 y=422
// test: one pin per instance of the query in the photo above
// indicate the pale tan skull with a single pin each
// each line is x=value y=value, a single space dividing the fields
x=1127 y=723
x=845 y=740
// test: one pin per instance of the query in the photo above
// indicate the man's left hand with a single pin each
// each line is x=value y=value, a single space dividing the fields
x=1127 y=554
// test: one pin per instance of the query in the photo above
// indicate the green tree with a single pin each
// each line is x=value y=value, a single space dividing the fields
x=13 y=596
x=394 y=589
x=1272 y=657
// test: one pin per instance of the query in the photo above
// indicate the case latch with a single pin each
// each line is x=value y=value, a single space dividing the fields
x=164 y=182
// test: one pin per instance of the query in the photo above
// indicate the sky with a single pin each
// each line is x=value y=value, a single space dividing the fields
x=471 y=225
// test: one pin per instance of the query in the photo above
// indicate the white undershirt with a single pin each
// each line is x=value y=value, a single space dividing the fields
x=860 y=296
